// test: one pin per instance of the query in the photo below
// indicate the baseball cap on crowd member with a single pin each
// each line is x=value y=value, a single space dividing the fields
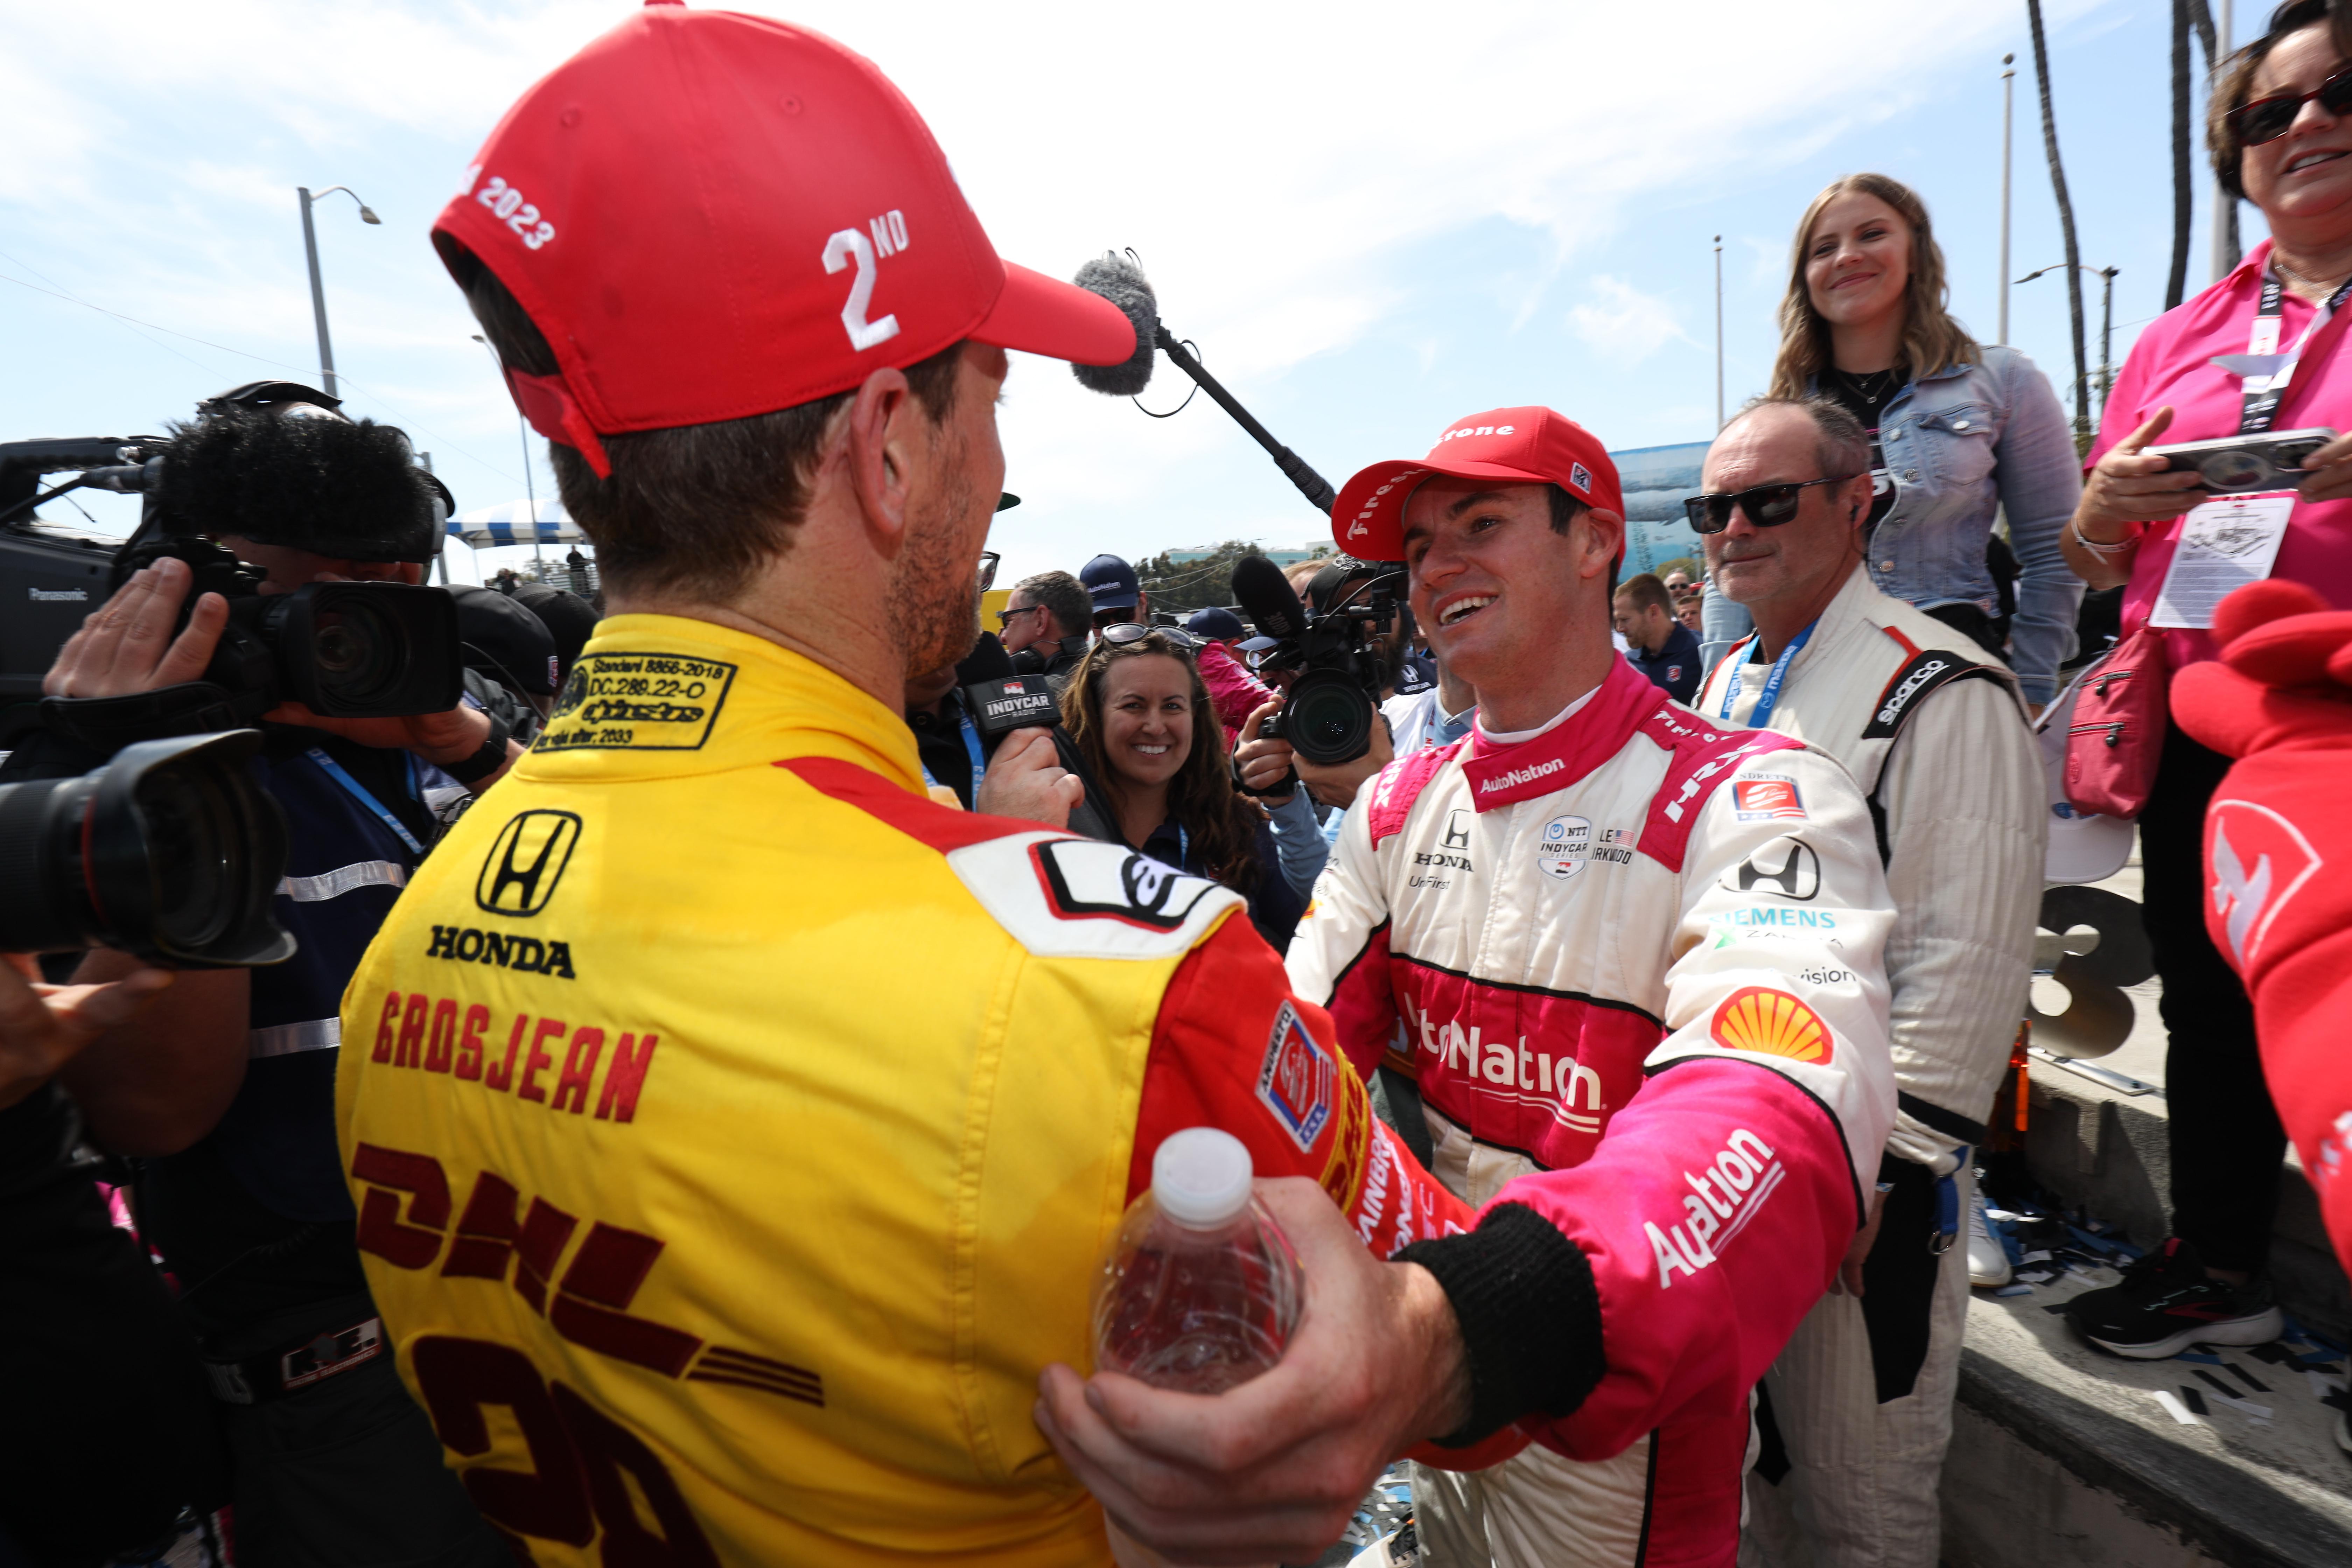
x=1515 y=446
x=1216 y=623
x=1110 y=582
x=502 y=639
x=711 y=216
x=570 y=619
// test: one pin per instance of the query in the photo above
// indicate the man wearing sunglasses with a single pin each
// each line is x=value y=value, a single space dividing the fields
x=1043 y=624
x=1934 y=733
x=1587 y=933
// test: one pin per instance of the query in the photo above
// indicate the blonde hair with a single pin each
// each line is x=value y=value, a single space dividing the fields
x=1932 y=339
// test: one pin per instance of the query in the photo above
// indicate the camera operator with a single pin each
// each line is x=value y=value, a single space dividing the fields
x=227 y=1085
x=512 y=672
x=1045 y=623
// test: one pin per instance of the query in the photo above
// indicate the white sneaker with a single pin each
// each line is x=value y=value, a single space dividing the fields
x=1987 y=1264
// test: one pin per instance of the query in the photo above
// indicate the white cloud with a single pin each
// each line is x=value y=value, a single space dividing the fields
x=1625 y=326
x=1296 y=177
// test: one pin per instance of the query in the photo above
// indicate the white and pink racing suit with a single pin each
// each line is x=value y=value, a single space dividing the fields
x=1636 y=961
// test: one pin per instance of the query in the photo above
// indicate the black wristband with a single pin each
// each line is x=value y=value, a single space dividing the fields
x=1284 y=786
x=485 y=762
x=1531 y=1318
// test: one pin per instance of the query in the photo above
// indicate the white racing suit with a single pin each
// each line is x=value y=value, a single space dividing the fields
x=1931 y=729
x=1636 y=962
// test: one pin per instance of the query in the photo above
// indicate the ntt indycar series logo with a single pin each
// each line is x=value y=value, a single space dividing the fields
x=1519 y=776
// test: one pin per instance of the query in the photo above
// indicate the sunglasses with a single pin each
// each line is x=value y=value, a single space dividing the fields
x=1767 y=506
x=2268 y=119
x=1005 y=617
x=988 y=560
x=1126 y=632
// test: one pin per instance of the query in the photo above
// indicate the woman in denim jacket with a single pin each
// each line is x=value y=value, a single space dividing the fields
x=1958 y=430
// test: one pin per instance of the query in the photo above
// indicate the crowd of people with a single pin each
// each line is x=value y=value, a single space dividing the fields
x=717 y=1055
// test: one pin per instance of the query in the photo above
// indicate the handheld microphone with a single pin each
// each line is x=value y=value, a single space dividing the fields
x=1000 y=703
x=999 y=700
x=1120 y=280
x=1266 y=594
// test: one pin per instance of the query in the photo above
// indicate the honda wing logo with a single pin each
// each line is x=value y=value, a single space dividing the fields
x=520 y=875
x=1786 y=868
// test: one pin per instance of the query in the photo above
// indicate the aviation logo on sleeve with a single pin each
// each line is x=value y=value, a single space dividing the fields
x=1771 y=1023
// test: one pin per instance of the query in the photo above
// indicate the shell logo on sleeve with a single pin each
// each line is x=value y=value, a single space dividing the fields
x=1773 y=1023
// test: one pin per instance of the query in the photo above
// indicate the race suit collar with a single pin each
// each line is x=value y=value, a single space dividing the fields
x=662 y=696
x=1561 y=752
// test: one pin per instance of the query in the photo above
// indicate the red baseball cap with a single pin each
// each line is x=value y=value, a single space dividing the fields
x=711 y=216
x=1517 y=446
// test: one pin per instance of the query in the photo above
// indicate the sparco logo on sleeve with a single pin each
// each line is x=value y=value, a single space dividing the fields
x=526 y=861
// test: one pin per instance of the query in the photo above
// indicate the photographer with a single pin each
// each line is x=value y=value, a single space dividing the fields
x=227 y=1085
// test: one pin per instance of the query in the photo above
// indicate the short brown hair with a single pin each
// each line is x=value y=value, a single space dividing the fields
x=697 y=509
x=2235 y=81
x=1066 y=599
x=1646 y=592
x=1841 y=445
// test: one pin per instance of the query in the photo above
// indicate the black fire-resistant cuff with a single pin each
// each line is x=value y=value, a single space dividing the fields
x=107 y=724
x=1531 y=1318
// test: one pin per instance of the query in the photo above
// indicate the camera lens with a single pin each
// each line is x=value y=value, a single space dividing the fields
x=357 y=650
x=1328 y=718
x=170 y=852
x=189 y=826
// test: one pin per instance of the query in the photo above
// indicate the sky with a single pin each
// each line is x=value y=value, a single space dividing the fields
x=1373 y=219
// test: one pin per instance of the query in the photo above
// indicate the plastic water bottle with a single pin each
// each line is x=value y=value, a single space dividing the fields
x=1200 y=1290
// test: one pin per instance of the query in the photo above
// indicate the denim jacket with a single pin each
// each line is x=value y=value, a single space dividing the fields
x=1959 y=444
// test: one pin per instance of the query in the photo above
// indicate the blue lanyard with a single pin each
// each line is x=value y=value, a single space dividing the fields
x=357 y=791
x=1770 y=698
x=971 y=748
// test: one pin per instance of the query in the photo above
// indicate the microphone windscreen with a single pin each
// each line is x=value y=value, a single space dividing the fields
x=986 y=661
x=350 y=492
x=1266 y=594
x=1121 y=282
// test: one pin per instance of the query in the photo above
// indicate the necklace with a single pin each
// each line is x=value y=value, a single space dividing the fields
x=2324 y=285
x=1872 y=386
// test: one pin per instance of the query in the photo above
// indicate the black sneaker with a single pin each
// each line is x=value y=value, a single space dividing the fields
x=2168 y=1302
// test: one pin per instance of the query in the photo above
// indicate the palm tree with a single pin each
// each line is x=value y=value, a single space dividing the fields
x=2066 y=225
x=2182 y=203
x=2201 y=18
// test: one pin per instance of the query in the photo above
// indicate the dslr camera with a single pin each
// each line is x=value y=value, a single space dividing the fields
x=1328 y=714
x=275 y=463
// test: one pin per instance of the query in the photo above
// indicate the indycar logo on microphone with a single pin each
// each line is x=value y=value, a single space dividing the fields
x=1787 y=868
x=526 y=861
x=2260 y=860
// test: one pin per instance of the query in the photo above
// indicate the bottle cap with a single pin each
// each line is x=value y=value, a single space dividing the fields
x=1201 y=1177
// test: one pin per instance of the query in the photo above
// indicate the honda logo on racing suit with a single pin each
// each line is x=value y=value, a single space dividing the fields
x=1786 y=866
x=520 y=875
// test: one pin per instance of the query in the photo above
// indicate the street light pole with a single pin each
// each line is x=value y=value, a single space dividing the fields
x=2107 y=276
x=2007 y=96
x=1719 y=332
x=522 y=428
x=318 y=289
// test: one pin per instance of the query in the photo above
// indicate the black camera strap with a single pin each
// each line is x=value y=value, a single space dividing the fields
x=2263 y=392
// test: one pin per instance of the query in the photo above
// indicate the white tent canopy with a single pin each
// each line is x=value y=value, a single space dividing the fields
x=515 y=523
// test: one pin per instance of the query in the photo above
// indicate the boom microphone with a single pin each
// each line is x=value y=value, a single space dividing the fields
x=1266 y=594
x=1119 y=280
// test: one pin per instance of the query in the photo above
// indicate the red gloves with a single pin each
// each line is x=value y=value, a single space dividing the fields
x=2278 y=856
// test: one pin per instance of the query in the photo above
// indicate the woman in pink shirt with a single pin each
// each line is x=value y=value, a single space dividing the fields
x=2280 y=133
